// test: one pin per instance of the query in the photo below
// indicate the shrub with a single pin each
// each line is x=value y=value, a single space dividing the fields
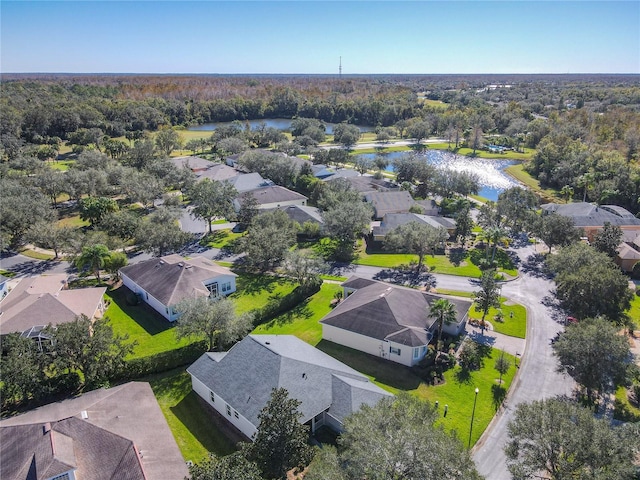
x=283 y=304
x=163 y=361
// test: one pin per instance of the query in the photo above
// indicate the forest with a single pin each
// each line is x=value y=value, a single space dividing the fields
x=585 y=129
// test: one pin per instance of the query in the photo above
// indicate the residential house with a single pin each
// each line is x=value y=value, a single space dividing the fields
x=272 y=197
x=362 y=183
x=322 y=171
x=399 y=201
x=163 y=282
x=387 y=321
x=202 y=168
x=247 y=182
x=394 y=220
x=36 y=302
x=591 y=218
x=303 y=213
x=238 y=383
x=106 y=434
x=429 y=207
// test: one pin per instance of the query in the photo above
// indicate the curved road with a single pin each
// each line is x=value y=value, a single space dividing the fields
x=537 y=377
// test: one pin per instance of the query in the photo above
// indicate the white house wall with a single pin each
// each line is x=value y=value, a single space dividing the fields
x=148 y=299
x=372 y=346
x=241 y=423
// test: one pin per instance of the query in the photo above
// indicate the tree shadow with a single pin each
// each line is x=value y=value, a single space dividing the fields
x=535 y=266
x=151 y=321
x=457 y=256
x=462 y=375
x=252 y=284
x=299 y=312
x=407 y=277
x=206 y=425
x=384 y=371
x=498 y=393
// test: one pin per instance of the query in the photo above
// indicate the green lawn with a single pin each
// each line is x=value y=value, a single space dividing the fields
x=468 y=152
x=73 y=221
x=190 y=423
x=7 y=274
x=152 y=332
x=302 y=321
x=61 y=165
x=623 y=410
x=515 y=326
x=220 y=239
x=518 y=172
x=457 y=392
x=255 y=291
x=27 y=252
x=634 y=311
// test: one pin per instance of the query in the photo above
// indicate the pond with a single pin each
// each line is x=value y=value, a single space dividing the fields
x=493 y=179
x=279 y=123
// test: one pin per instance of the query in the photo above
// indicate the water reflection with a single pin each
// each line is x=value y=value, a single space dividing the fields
x=490 y=172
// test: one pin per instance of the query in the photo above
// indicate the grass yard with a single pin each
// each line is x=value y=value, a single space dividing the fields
x=634 y=311
x=457 y=392
x=468 y=152
x=302 y=321
x=152 y=332
x=515 y=326
x=61 y=165
x=27 y=252
x=623 y=410
x=190 y=423
x=73 y=221
x=7 y=273
x=220 y=238
x=518 y=172
x=255 y=291
x=438 y=263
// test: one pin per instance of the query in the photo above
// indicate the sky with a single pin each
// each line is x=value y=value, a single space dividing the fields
x=309 y=37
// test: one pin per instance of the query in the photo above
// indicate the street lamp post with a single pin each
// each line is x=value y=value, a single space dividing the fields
x=473 y=413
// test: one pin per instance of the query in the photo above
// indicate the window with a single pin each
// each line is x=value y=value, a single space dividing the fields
x=416 y=352
x=226 y=287
x=213 y=289
x=235 y=414
x=394 y=350
x=424 y=349
x=212 y=396
x=146 y=295
x=228 y=410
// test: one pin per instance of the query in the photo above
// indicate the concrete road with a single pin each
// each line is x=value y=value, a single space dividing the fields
x=26 y=266
x=537 y=378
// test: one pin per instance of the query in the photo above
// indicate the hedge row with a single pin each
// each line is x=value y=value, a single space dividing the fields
x=278 y=306
x=163 y=361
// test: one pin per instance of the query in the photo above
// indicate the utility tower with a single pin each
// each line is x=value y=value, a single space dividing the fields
x=340 y=68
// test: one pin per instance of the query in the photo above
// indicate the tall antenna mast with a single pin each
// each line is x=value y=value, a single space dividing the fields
x=340 y=68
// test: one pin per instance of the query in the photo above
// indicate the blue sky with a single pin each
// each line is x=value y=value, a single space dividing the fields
x=309 y=37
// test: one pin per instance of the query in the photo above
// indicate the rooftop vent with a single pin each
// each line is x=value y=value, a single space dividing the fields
x=180 y=264
x=84 y=415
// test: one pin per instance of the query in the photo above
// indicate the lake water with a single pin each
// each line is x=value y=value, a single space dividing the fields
x=279 y=123
x=493 y=179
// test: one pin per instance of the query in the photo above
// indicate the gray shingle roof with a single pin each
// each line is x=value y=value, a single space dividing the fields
x=389 y=202
x=273 y=194
x=385 y=312
x=362 y=183
x=588 y=215
x=303 y=213
x=246 y=375
x=120 y=420
x=40 y=301
x=44 y=450
x=173 y=278
x=394 y=220
x=246 y=182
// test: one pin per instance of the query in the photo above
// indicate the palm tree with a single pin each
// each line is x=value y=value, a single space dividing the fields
x=94 y=258
x=444 y=312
